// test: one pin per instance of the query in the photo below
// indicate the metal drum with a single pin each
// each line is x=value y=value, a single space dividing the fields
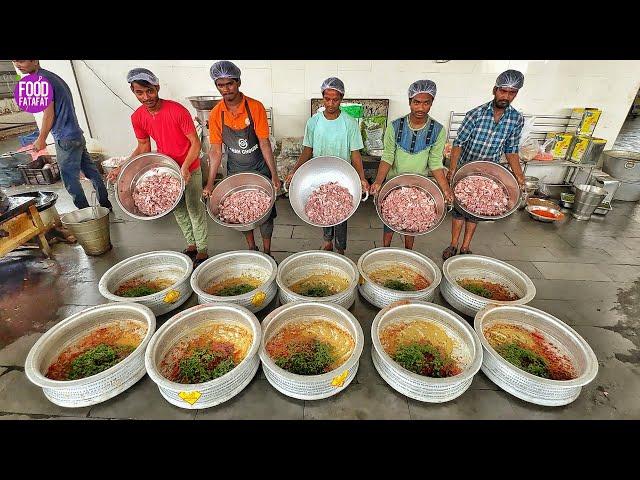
x=517 y=382
x=137 y=169
x=467 y=351
x=240 y=182
x=101 y=386
x=485 y=268
x=381 y=296
x=184 y=325
x=318 y=171
x=495 y=172
x=587 y=199
x=413 y=180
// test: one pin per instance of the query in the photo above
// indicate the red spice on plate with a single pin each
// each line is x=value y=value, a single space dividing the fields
x=545 y=213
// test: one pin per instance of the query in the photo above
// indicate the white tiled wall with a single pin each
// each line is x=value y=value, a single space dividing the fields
x=551 y=87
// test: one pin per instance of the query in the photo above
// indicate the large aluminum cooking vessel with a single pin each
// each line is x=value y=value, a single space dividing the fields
x=628 y=191
x=485 y=268
x=413 y=180
x=622 y=165
x=380 y=257
x=181 y=327
x=311 y=387
x=151 y=265
x=240 y=182
x=234 y=264
x=304 y=264
x=137 y=169
x=318 y=171
x=495 y=172
x=101 y=386
x=517 y=382
x=467 y=350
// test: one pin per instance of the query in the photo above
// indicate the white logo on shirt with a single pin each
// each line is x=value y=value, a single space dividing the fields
x=246 y=121
x=242 y=143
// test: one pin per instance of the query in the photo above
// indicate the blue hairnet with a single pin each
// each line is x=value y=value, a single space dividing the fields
x=422 y=86
x=510 y=79
x=224 y=69
x=334 y=84
x=142 y=74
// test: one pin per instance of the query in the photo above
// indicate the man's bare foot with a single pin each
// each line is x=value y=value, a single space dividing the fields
x=328 y=246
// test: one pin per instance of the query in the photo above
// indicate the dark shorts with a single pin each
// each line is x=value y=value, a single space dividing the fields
x=463 y=216
x=388 y=230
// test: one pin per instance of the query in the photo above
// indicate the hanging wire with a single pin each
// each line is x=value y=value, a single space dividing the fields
x=103 y=82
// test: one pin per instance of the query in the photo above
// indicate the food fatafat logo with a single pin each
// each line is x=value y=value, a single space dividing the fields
x=33 y=93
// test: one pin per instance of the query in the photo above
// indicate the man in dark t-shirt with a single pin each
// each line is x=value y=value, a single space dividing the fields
x=71 y=151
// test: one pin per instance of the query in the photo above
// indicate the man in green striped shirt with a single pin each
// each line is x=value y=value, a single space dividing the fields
x=414 y=143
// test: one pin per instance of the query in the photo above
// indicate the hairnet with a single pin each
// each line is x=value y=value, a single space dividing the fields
x=422 y=86
x=142 y=74
x=334 y=84
x=224 y=69
x=510 y=79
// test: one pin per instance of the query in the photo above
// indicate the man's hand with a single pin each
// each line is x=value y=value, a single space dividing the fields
x=287 y=181
x=112 y=176
x=276 y=183
x=450 y=175
x=206 y=191
x=521 y=180
x=39 y=144
x=365 y=185
x=375 y=188
x=448 y=195
x=186 y=174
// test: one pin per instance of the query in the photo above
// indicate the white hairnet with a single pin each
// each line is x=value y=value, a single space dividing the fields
x=224 y=69
x=510 y=79
x=422 y=86
x=334 y=84
x=142 y=74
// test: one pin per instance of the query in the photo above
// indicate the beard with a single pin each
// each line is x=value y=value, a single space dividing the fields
x=501 y=103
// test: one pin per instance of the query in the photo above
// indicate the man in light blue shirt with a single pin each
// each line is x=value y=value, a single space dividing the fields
x=333 y=133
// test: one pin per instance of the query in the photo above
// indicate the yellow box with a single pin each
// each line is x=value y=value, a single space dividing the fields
x=588 y=117
x=580 y=144
x=563 y=142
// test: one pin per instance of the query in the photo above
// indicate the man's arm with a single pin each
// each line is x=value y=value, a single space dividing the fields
x=192 y=154
x=47 y=123
x=356 y=161
x=267 y=153
x=514 y=163
x=215 y=157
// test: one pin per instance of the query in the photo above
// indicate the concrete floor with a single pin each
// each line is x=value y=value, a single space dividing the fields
x=586 y=273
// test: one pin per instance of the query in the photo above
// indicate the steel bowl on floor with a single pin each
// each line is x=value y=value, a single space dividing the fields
x=489 y=269
x=524 y=385
x=558 y=215
x=467 y=352
x=139 y=168
x=101 y=386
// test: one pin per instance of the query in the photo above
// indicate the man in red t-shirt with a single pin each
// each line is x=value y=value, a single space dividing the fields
x=170 y=125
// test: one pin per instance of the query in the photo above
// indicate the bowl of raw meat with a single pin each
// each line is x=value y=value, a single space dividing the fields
x=242 y=201
x=411 y=204
x=485 y=190
x=325 y=191
x=149 y=186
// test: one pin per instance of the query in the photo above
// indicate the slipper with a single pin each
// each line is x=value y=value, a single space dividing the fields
x=449 y=252
x=465 y=252
x=191 y=253
x=198 y=261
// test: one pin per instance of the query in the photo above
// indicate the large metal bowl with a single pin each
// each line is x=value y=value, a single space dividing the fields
x=413 y=180
x=234 y=264
x=184 y=325
x=381 y=296
x=495 y=172
x=204 y=102
x=485 y=268
x=528 y=387
x=139 y=168
x=467 y=351
x=311 y=387
x=559 y=215
x=101 y=386
x=303 y=264
x=240 y=182
x=150 y=266
x=318 y=171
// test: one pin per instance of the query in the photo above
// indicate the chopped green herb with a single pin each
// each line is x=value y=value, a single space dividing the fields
x=399 y=285
x=97 y=360
x=524 y=359
x=204 y=365
x=311 y=358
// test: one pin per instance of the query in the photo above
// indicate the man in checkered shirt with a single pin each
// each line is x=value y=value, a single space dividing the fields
x=486 y=133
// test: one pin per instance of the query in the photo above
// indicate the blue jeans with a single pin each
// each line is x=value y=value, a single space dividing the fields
x=337 y=234
x=72 y=158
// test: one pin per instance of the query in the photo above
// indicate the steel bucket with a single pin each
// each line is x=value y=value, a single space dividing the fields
x=91 y=228
x=587 y=199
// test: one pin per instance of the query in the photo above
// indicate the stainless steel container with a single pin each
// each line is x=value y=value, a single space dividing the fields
x=622 y=164
x=587 y=199
x=467 y=352
x=628 y=191
x=517 y=382
x=91 y=228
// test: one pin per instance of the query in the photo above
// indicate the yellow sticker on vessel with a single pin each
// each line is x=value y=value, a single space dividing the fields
x=172 y=296
x=258 y=299
x=190 y=397
x=339 y=380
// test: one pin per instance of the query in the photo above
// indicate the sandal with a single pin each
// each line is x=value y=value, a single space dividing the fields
x=465 y=252
x=198 y=261
x=449 y=252
x=191 y=253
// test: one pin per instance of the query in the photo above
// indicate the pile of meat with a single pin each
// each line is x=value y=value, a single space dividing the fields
x=481 y=195
x=409 y=209
x=244 y=207
x=156 y=194
x=329 y=204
